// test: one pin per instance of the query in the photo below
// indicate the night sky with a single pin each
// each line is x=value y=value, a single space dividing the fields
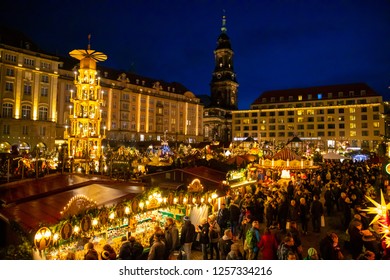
x=277 y=44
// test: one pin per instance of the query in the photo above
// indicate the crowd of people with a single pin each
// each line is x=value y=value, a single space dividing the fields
x=270 y=221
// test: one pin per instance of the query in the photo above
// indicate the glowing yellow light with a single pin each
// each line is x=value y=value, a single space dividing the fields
x=55 y=237
x=95 y=222
x=127 y=210
x=112 y=215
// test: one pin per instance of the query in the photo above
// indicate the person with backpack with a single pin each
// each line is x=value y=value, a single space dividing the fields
x=286 y=248
x=252 y=238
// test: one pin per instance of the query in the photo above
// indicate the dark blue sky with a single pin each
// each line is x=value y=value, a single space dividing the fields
x=278 y=44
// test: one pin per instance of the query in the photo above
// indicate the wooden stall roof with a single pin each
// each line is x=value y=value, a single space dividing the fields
x=42 y=206
x=206 y=173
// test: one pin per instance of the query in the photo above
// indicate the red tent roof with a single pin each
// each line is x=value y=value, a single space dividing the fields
x=286 y=154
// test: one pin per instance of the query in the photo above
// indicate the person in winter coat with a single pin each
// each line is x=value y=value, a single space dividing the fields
x=317 y=210
x=285 y=248
x=187 y=236
x=223 y=217
x=234 y=217
x=225 y=243
x=171 y=232
x=157 y=251
x=235 y=253
x=108 y=253
x=204 y=238
x=251 y=248
x=304 y=213
x=214 y=233
x=329 y=201
x=91 y=254
x=293 y=211
x=330 y=248
x=268 y=245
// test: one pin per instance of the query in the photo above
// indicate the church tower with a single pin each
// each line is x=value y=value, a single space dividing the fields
x=217 y=118
x=224 y=86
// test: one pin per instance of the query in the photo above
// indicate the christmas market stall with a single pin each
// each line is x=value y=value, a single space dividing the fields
x=68 y=225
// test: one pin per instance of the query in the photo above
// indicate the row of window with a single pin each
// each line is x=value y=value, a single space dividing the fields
x=25 y=130
x=27 y=89
x=290 y=134
x=318 y=96
x=10 y=72
x=309 y=126
x=302 y=112
x=308 y=119
x=7 y=112
x=27 y=61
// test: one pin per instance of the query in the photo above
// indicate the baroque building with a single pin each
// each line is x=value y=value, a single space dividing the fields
x=327 y=117
x=137 y=108
x=36 y=107
x=223 y=91
x=28 y=94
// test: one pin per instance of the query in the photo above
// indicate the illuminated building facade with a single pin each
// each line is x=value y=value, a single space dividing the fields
x=28 y=94
x=137 y=108
x=330 y=117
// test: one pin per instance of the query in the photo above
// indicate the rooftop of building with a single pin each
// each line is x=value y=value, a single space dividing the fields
x=353 y=90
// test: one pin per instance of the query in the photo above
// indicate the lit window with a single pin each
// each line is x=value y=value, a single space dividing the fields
x=7 y=110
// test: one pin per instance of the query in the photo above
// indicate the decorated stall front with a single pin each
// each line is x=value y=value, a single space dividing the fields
x=82 y=221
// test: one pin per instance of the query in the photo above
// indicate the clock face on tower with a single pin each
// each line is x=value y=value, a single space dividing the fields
x=219 y=76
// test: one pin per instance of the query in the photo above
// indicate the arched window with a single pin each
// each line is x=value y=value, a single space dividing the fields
x=43 y=113
x=26 y=112
x=7 y=110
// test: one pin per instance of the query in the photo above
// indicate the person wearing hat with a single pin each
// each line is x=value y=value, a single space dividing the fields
x=311 y=254
x=187 y=236
x=108 y=253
